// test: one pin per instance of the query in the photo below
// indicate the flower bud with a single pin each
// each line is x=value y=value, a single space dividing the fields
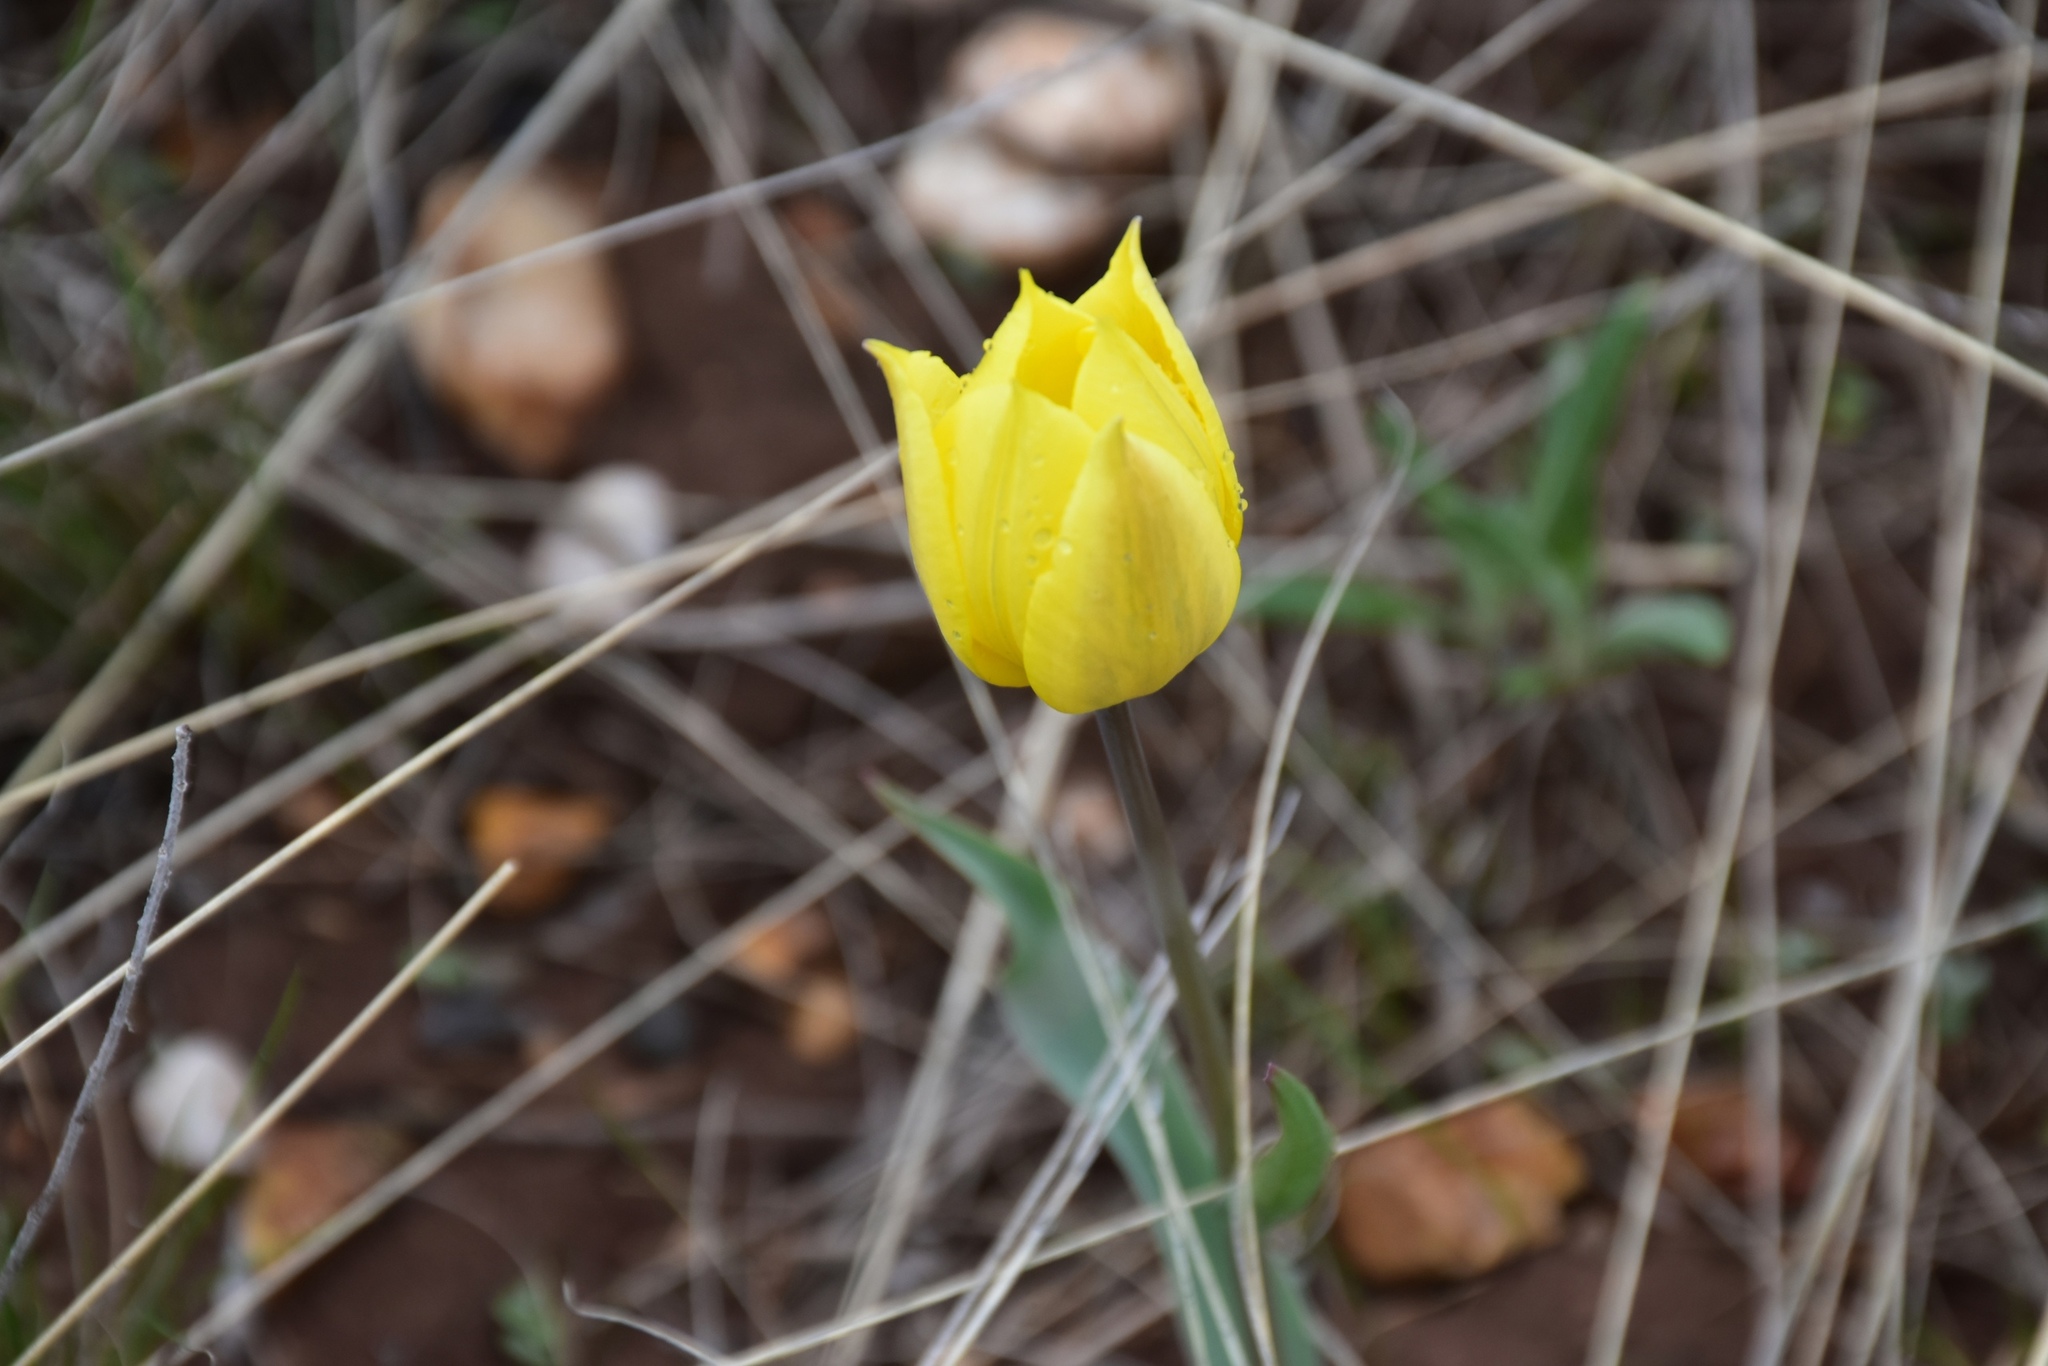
x=1073 y=502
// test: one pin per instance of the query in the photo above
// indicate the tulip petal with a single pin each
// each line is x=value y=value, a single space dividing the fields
x=1118 y=380
x=1144 y=578
x=1019 y=454
x=1039 y=345
x=1126 y=296
x=920 y=383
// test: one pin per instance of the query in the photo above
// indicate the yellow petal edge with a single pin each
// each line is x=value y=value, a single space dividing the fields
x=922 y=387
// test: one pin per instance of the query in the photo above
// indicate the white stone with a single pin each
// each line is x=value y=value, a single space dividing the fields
x=1120 y=111
x=612 y=518
x=192 y=1100
x=964 y=191
x=622 y=510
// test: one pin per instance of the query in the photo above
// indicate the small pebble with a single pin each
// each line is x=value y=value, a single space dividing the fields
x=823 y=1022
x=525 y=357
x=1120 y=111
x=776 y=954
x=1457 y=1199
x=622 y=510
x=309 y=1172
x=553 y=835
x=614 y=517
x=965 y=192
x=191 y=1101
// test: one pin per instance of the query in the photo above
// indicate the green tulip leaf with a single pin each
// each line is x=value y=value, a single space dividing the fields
x=1578 y=429
x=1688 y=626
x=1051 y=1014
x=1045 y=999
x=1361 y=606
x=1289 y=1175
x=1294 y=1338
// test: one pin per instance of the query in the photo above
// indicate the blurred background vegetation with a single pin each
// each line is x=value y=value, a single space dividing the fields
x=1652 y=904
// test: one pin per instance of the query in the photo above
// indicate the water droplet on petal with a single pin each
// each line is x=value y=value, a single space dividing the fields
x=1041 y=538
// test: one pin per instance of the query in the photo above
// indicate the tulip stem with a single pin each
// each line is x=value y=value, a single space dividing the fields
x=1200 y=1018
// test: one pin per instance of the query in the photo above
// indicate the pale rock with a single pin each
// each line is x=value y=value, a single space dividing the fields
x=964 y=191
x=191 y=1101
x=1457 y=1199
x=523 y=358
x=1120 y=111
x=622 y=510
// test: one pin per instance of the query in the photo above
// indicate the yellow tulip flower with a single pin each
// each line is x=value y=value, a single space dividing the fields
x=1073 y=502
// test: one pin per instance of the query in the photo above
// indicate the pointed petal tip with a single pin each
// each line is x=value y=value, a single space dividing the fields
x=1111 y=447
x=1130 y=252
x=1029 y=291
x=886 y=355
x=915 y=375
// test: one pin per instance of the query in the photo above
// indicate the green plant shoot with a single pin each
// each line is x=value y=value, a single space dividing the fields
x=1050 y=1012
x=1533 y=557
